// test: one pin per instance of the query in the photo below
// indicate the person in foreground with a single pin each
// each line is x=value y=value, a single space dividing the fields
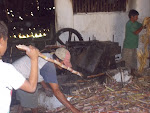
x=130 y=45
x=47 y=74
x=10 y=78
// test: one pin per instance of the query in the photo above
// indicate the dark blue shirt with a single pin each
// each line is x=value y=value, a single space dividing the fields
x=48 y=72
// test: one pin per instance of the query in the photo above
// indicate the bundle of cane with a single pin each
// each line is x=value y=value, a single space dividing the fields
x=143 y=54
x=26 y=48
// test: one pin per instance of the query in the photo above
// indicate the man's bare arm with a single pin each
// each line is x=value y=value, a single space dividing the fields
x=60 y=96
x=138 y=31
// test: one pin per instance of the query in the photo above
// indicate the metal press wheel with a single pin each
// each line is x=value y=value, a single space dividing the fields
x=67 y=35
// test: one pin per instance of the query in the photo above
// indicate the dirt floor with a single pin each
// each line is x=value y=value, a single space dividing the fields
x=109 y=97
x=26 y=110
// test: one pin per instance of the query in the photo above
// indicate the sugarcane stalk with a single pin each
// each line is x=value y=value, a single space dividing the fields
x=26 y=48
x=138 y=100
x=108 y=87
x=92 y=76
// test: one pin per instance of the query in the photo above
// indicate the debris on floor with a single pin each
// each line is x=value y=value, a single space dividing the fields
x=109 y=97
x=112 y=97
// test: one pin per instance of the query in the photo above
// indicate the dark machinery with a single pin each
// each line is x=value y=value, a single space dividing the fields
x=89 y=57
x=93 y=57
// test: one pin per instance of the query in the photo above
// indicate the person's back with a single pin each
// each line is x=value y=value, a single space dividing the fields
x=23 y=65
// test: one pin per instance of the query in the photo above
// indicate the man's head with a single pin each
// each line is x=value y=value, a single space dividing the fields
x=3 y=38
x=64 y=55
x=133 y=14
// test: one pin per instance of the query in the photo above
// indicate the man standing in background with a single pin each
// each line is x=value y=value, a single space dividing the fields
x=130 y=45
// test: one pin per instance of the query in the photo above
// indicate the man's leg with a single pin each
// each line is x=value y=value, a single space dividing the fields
x=20 y=109
x=28 y=100
x=134 y=64
x=127 y=57
x=134 y=59
x=61 y=97
x=34 y=110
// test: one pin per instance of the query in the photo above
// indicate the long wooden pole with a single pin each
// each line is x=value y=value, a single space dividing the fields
x=26 y=48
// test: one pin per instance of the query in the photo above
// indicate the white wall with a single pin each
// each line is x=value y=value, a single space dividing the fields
x=142 y=6
x=64 y=14
x=103 y=25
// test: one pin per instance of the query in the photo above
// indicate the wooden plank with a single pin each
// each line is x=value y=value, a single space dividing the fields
x=107 y=5
x=93 y=8
x=124 y=5
x=91 y=2
x=116 y=5
x=84 y=6
x=78 y=6
x=113 y=5
x=98 y=5
x=119 y=5
x=73 y=5
x=88 y=3
x=94 y=5
x=101 y=6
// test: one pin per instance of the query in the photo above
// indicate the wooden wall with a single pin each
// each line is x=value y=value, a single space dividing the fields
x=85 y=6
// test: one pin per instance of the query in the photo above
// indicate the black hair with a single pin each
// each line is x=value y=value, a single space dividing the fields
x=3 y=30
x=55 y=57
x=133 y=12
